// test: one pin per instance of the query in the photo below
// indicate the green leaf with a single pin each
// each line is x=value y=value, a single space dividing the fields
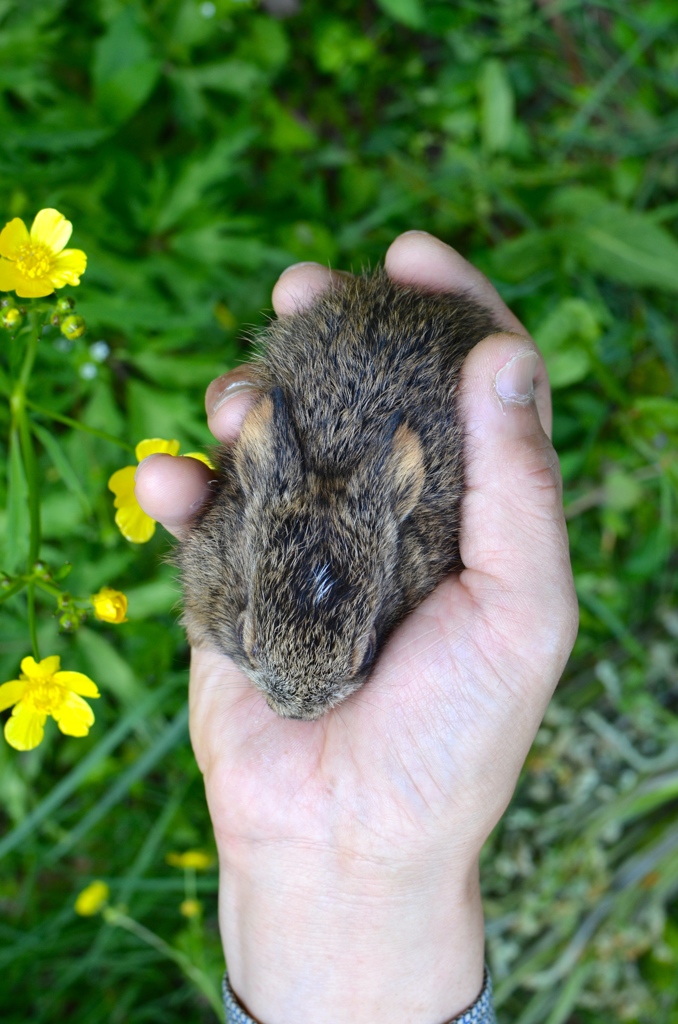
x=657 y=415
x=159 y=597
x=496 y=106
x=519 y=258
x=155 y=412
x=212 y=245
x=287 y=133
x=177 y=371
x=103 y=663
x=124 y=71
x=622 y=491
x=339 y=46
x=214 y=167
x=408 y=12
x=233 y=77
x=565 y=338
x=624 y=245
x=61 y=463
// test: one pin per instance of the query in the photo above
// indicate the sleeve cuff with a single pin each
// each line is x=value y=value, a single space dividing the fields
x=482 y=1011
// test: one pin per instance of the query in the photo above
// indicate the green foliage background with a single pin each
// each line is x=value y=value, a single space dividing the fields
x=198 y=149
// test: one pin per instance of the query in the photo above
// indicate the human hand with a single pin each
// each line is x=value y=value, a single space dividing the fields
x=349 y=846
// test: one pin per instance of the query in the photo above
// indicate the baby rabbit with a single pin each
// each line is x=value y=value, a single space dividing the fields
x=337 y=510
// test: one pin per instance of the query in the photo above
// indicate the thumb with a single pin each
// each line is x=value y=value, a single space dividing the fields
x=514 y=541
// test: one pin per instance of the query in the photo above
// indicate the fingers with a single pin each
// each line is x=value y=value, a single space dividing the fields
x=171 y=493
x=514 y=542
x=298 y=286
x=227 y=400
x=413 y=258
x=171 y=490
x=230 y=396
x=421 y=259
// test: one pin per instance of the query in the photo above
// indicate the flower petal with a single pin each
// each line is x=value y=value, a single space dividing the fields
x=12 y=692
x=25 y=729
x=134 y=524
x=47 y=667
x=154 y=446
x=75 y=716
x=33 y=288
x=8 y=276
x=12 y=237
x=68 y=266
x=78 y=682
x=52 y=229
x=201 y=458
x=122 y=485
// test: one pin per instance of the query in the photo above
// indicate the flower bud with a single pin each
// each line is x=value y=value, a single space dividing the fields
x=110 y=605
x=65 y=304
x=11 y=318
x=6 y=301
x=73 y=327
x=92 y=899
x=190 y=908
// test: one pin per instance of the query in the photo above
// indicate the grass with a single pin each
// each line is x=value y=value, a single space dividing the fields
x=200 y=148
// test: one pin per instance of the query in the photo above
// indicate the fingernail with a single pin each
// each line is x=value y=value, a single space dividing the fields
x=199 y=502
x=304 y=263
x=231 y=391
x=414 y=231
x=514 y=383
x=144 y=461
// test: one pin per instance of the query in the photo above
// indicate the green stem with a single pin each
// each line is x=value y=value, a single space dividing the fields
x=20 y=421
x=49 y=588
x=32 y=621
x=67 y=421
x=13 y=589
x=203 y=983
x=27 y=581
x=31 y=467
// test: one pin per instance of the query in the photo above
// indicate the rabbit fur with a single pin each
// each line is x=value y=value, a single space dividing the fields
x=337 y=510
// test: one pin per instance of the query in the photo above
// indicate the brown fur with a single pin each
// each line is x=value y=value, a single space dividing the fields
x=337 y=510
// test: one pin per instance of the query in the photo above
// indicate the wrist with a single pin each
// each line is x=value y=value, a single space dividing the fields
x=312 y=936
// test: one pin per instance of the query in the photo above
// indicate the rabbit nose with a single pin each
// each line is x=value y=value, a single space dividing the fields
x=287 y=707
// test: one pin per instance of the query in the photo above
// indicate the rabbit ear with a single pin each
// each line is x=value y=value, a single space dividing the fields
x=404 y=468
x=268 y=453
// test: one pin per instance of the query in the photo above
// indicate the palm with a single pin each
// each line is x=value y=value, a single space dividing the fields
x=412 y=745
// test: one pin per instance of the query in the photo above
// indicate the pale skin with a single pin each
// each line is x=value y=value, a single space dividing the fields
x=348 y=847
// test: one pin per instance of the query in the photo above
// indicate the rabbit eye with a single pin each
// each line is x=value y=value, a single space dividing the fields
x=369 y=653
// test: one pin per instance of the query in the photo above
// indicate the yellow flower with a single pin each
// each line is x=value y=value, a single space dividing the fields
x=133 y=522
x=195 y=859
x=110 y=605
x=91 y=900
x=190 y=908
x=37 y=263
x=42 y=690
